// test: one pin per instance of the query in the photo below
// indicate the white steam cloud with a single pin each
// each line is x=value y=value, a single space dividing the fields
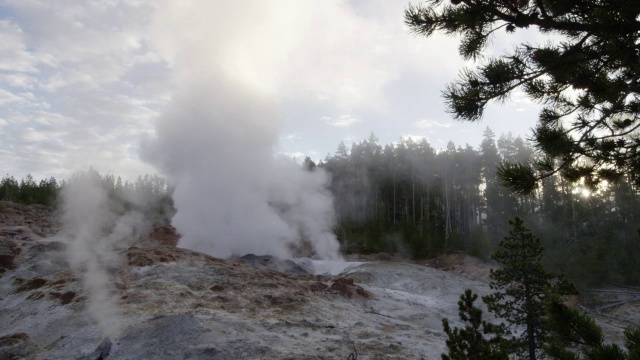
x=94 y=229
x=216 y=142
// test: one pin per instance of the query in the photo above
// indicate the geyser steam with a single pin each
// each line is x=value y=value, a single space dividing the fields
x=216 y=141
x=94 y=229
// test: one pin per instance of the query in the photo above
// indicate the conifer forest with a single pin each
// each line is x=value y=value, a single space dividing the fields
x=413 y=199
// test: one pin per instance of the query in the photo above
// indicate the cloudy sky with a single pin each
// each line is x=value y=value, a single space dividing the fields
x=83 y=83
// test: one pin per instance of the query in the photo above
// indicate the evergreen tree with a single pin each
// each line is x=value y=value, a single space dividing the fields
x=571 y=327
x=497 y=200
x=587 y=76
x=27 y=191
x=471 y=342
x=308 y=164
x=523 y=285
x=406 y=196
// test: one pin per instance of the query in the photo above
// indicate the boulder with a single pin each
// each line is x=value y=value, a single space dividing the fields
x=8 y=252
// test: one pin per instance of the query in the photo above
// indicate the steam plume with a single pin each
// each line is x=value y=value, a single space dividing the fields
x=216 y=142
x=94 y=229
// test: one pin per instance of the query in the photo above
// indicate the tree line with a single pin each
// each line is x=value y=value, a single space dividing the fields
x=149 y=194
x=28 y=191
x=410 y=198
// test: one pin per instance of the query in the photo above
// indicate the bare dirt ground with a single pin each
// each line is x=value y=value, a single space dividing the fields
x=463 y=265
x=174 y=303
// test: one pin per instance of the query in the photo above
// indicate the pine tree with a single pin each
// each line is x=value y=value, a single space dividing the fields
x=522 y=286
x=472 y=342
x=570 y=327
x=586 y=76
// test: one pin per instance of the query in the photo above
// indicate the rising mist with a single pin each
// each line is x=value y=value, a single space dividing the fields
x=95 y=227
x=216 y=141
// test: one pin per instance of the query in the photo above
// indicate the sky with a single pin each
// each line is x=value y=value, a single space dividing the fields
x=84 y=83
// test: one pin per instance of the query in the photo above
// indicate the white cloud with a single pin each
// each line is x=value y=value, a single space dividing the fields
x=7 y=97
x=341 y=121
x=296 y=155
x=350 y=140
x=91 y=93
x=31 y=135
x=427 y=124
x=415 y=138
x=18 y=80
x=14 y=55
x=46 y=118
x=65 y=78
x=291 y=137
x=87 y=76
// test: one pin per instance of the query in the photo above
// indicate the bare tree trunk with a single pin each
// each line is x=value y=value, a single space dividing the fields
x=365 y=215
x=531 y=324
x=413 y=195
x=421 y=216
x=447 y=209
x=394 y=197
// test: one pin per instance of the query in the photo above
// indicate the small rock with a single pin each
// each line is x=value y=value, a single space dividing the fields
x=318 y=286
x=8 y=252
x=102 y=352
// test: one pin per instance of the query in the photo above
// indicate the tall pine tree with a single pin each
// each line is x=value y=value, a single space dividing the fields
x=522 y=286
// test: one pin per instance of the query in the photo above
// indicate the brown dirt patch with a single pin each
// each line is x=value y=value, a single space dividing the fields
x=13 y=339
x=28 y=285
x=41 y=219
x=165 y=234
x=65 y=297
x=344 y=287
x=36 y=295
x=462 y=265
x=144 y=256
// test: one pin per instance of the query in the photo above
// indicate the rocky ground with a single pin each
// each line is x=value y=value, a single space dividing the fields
x=172 y=303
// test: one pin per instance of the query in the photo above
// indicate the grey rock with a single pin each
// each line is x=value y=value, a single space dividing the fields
x=102 y=352
x=274 y=263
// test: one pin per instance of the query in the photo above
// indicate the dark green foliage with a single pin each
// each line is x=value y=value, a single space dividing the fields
x=517 y=176
x=149 y=194
x=530 y=299
x=568 y=327
x=587 y=78
x=27 y=191
x=408 y=198
x=574 y=335
x=478 y=339
x=632 y=343
x=522 y=286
